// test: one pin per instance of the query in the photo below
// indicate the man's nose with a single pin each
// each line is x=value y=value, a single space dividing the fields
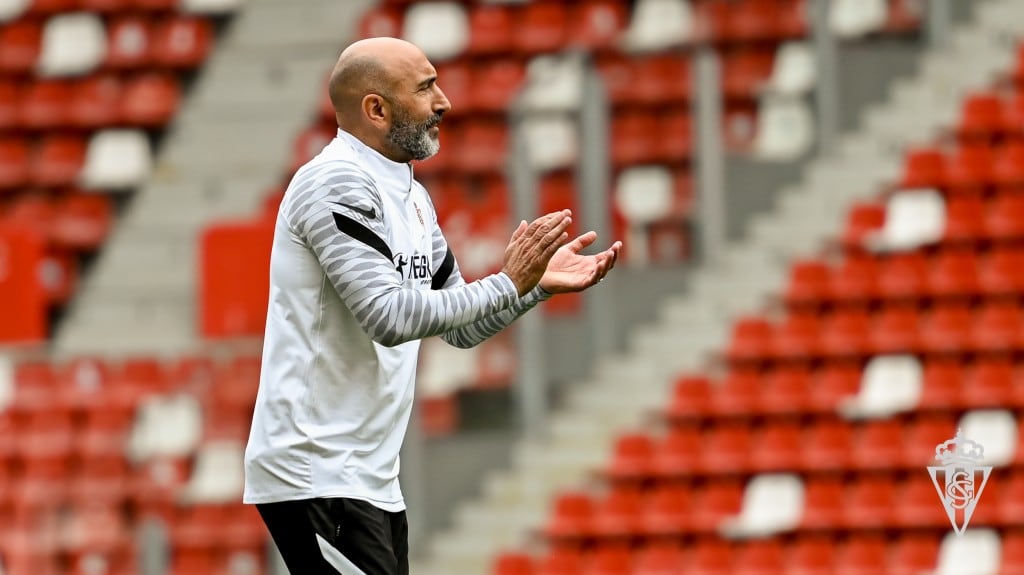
x=442 y=105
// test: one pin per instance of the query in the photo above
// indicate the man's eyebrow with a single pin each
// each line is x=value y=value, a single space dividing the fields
x=427 y=82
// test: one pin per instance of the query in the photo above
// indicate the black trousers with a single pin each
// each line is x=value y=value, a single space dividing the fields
x=338 y=536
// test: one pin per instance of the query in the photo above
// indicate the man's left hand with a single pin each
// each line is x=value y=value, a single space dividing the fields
x=571 y=271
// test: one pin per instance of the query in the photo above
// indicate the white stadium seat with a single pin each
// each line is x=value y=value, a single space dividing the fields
x=890 y=384
x=913 y=218
x=643 y=195
x=772 y=503
x=550 y=141
x=117 y=159
x=659 y=24
x=794 y=72
x=73 y=45
x=995 y=430
x=856 y=18
x=217 y=476
x=553 y=83
x=441 y=29
x=211 y=6
x=12 y=9
x=785 y=129
x=976 y=552
x=166 y=427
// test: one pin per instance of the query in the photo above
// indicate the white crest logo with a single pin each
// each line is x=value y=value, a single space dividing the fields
x=960 y=480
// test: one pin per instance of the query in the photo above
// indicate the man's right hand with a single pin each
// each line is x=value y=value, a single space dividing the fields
x=532 y=246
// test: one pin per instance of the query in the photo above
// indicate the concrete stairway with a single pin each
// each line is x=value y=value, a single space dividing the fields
x=692 y=326
x=231 y=142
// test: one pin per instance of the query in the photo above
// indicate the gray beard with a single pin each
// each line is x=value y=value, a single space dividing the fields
x=415 y=139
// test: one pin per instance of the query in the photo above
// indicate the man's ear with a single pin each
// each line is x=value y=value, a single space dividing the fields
x=375 y=109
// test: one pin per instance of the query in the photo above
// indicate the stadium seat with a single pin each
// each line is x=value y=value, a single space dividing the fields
x=977 y=550
x=513 y=563
x=666 y=510
x=855 y=280
x=1012 y=553
x=490 y=29
x=609 y=559
x=917 y=505
x=997 y=327
x=745 y=72
x=786 y=390
x=20 y=45
x=150 y=100
x=969 y=169
x=45 y=104
x=714 y=502
x=632 y=457
x=772 y=503
x=495 y=84
x=73 y=44
x=965 y=220
x=923 y=168
x=988 y=382
x=863 y=220
x=571 y=516
x=954 y=274
x=15 y=161
x=751 y=340
x=812 y=555
x=914 y=553
x=981 y=118
x=129 y=43
x=1008 y=165
x=1002 y=272
x=834 y=382
x=738 y=394
x=946 y=329
x=903 y=276
x=658 y=25
x=828 y=445
x=797 y=337
x=808 y=284
x=755 y=21
x=793 y=72
x=482 y=147
x=182 y=42
x=597 y=24
x=10 y=104
x=846 y=333
x=96 y=102
x=440 y=29
x=58 y=161
x=679 y=453
x=116 y=159
x=1005 y=218
x=630 y=137
x=727 y=449
x=618 y=513
x=857 y=18
x=996 y=429
x=925 y=432
x=541 y=27
x=896 y=330
x=785 y=129
x=659 y=559
x=862 y=555
x=823 y=504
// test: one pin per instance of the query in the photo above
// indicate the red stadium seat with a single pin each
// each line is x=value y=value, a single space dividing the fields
x=760 y=557
x=631 y=138
x=727 y=449
x=655 y=78
x=823 y=503
x=513 y=563
x=560 y=561
x=946 y=329
x=756 y=21
x=833 y=383
x=896 y=330
x=714 y=502
x=495 y=83
x=49 y=7
x=711 y=20
x=812 y=555
x=597 y=24
x=483 y=147
x=15 y=160
x=1005 y=218
x=20 y=44
x=96 y=102
x=981 y=117
x=846 y=332
x=82 y=221
x=988 y=382
x=151 y=100
x=751 y=339
x=1008 y=165
x=953 y=274
x=878 y=445
x=869 y=502
x=797 y=337
x=632 y=457
x=571 y=516
x=491 y=30
x=808 y=284
x=738 y=394
x=997 y=328
x=45 y=105
x=454 y=77
x=923 y=168
x=828 y=445
x=541 y=26
x=58 y=160
x=1012 y=553
x=679 y=453
x=666 y=510
x=129 y=43
x=1011 y=503
x=155 y=5
x=381 y=21
x=618 y=514
x=786 y=390
x=965 y=219
x=863 y=554
x=659 y=559
x=744 y=72
x=915 y=553
x=1002 y=272
x=942 y=381
x=182 y=42
x=691 y=397
x=903 y=276
x=855 y=280
x=10 y=105
x=969 y=169
x=676 y=142
x=777 y=447
x=862 y=220
x=924 y=434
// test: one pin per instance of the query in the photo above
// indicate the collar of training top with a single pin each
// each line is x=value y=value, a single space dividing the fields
x=378 y=163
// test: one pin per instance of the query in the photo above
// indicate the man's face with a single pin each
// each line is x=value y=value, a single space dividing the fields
x=417 y=107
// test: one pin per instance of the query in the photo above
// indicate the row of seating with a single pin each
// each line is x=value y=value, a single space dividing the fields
x=75 y=44
x=16 y=9
x=147 y=100
x=911 y=553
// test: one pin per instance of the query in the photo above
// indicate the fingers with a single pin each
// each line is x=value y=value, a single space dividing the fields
x=546 y=223
x=520 y=229
x=581 y=242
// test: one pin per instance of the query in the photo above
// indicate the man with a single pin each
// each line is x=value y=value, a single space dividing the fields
x=359 y=273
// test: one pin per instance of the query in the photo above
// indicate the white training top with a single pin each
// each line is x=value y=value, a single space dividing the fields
x=359 y=273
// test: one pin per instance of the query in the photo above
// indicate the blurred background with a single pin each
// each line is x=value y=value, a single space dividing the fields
x=823 y=209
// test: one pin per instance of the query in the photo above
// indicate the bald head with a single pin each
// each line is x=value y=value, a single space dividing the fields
x=381 y=87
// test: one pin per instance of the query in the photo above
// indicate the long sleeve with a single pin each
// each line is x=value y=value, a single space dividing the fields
x=341 y=219
x=447 y=276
